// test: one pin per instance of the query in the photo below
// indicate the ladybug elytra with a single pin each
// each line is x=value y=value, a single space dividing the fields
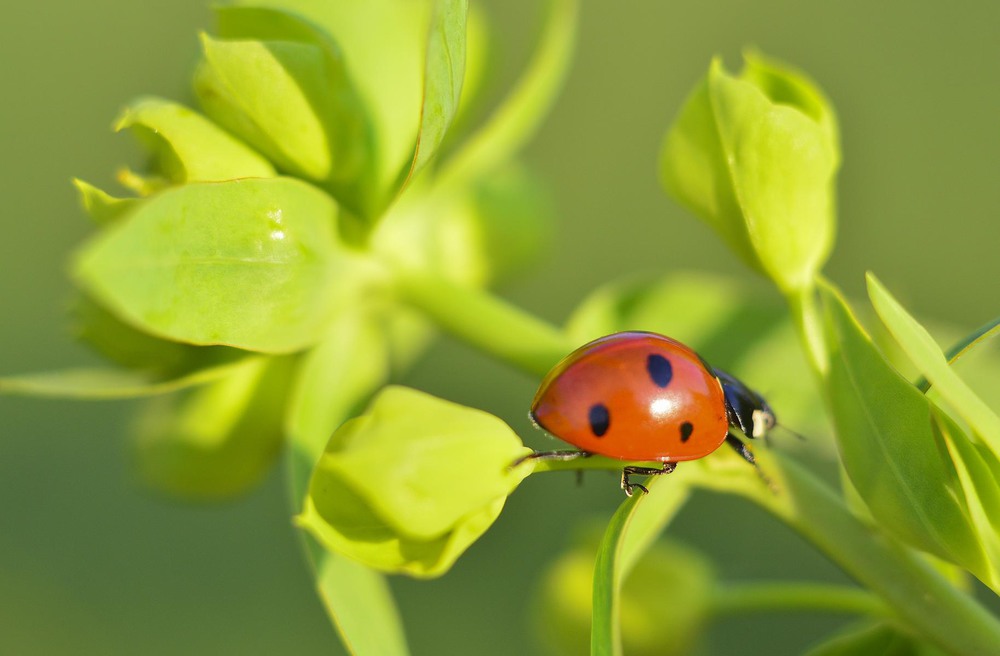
x=640 y=396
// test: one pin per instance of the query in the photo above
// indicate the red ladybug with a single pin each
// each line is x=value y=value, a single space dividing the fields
x=641 y=396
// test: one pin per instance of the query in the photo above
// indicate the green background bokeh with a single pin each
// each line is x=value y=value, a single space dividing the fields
x=92 y=564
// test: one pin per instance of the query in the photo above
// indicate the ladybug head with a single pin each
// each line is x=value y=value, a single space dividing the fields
x=746 y=409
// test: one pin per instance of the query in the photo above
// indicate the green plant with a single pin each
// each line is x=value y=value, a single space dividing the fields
x=280 y=305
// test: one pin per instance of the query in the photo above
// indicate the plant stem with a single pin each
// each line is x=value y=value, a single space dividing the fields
x=758 y=597
x=485 y=321
x=917 y=593
x=806 y=315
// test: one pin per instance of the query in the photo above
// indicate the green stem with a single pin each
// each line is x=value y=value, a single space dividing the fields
x=759 y=597
x=806 y=315
x=485 y=321
x=916 y=592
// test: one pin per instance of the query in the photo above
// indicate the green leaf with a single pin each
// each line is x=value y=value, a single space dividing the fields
x=409 y=485
x=406 y=58
x=293 y=102
x=755 y=156
x=888 y=447
x=102 y=207
x=882 y=638
x=187 y=147
x=249 y=263
x=216 y=441
x=321 y=78
x=924 y=352
x=444 y=72
x=978 y=472
x=605 y=632
x=98 y=384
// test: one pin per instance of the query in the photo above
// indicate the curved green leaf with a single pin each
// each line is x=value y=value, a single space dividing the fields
x=444 y=72
x=101 y=206
x=888 y=446
x=978 y=470
x=250 y=263
x=605 y=631
x=187 y=147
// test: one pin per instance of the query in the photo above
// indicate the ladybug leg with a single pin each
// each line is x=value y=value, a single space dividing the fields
x=552 y=455
x=744 y=450
x=630 y=487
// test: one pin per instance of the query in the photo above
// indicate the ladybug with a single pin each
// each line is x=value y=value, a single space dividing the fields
x=641 y=396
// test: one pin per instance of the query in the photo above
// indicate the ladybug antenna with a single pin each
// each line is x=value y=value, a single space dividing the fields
x=789 y=430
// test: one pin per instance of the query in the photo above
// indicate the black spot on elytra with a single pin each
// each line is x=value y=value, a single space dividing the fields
x=600 y=419
x=660 y=369
x=686 y=430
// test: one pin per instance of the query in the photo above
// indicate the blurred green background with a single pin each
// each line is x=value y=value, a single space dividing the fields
x=92 y=564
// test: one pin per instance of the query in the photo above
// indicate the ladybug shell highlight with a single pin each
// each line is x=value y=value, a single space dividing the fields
x=634 y=396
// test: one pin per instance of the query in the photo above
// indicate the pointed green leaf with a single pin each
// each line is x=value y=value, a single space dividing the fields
x=977 y=470
x=921 y=348
x=186 y=146
x=97 y=384
x=888 y=447
x=409 y=485
x=218 y=440
x=101 y=206
x=444 y=72
x=755 y=156
x=249 y=263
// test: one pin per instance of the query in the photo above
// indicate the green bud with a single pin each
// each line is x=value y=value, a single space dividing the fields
x=755 y=156
x=410 y=484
